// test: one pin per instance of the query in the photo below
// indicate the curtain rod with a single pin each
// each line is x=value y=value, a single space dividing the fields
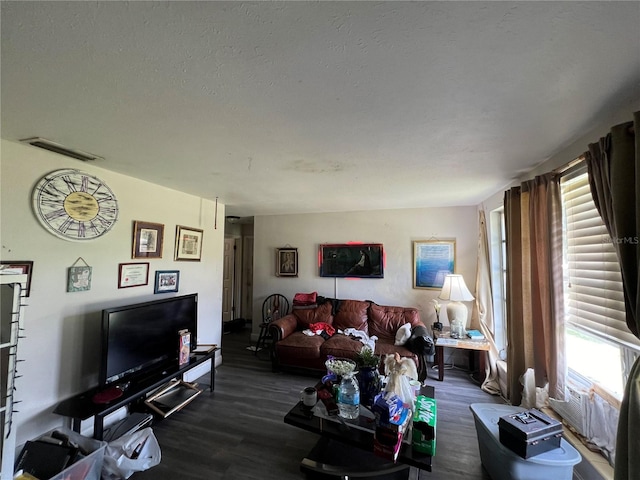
x=581 y=158
x=568 y=165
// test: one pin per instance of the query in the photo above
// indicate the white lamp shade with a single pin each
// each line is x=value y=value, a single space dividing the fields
x=455 y=290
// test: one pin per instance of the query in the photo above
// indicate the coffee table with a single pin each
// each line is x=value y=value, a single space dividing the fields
x=330 y=456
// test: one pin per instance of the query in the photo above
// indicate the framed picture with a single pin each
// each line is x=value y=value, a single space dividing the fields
x=362 y=260
x=432 y=261
x=147 y=239
x=166 y=281
x=133 y=274
x=19 y=266
x=286 y=262
x=79 y=279
x=188 y=243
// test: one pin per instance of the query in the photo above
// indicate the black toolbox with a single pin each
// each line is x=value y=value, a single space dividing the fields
x=529 y=433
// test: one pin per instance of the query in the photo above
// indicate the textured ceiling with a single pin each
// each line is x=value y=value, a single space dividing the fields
x=291 y=107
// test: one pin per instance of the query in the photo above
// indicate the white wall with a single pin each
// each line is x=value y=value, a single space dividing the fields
x=62 y=345
x=395 y=229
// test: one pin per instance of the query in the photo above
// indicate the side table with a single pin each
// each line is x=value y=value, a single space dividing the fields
x=443 y=340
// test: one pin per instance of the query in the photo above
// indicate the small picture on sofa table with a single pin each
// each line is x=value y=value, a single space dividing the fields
x=286 y=262
x=363 y=260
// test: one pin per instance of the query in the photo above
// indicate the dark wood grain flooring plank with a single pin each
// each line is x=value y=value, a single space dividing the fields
x=237 y=432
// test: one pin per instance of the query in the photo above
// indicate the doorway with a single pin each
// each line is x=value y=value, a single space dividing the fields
x=228 y=281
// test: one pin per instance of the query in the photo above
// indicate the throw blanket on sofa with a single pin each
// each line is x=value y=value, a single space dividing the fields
x=318 y=328
x=370 y=341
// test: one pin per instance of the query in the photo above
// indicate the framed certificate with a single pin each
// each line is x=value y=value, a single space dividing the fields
x=133 y=274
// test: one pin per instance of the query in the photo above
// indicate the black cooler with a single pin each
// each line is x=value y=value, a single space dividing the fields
x=529 y=433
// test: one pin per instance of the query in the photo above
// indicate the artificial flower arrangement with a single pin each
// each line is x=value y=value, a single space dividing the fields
x=436 y=306
x=340 y=366
x=436 y=325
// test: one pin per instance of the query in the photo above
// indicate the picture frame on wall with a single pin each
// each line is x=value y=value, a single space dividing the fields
x=358 y=260
x=166 y=281
x=147 y=239
x=133 y=274
x=188 y=244
x=79 y=278
x=20 y=267
x=286 y=262
x=432 y=261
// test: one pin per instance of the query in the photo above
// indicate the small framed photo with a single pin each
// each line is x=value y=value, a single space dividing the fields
x=147 y=239
x=19 y=266
x=286 y=262
x=166 y=281
x=133 y=274
x=188 y=243
x=79 y=279
x=432 y=261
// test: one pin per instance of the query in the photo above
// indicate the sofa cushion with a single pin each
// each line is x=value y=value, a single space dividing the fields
x=352 y=314
x=341 y=346
x=383 y=349
x=299 y=346
x=384 y=321
x=307 y=316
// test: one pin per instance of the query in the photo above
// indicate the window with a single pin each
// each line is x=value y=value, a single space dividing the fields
x=499 y=278
x=599 y=346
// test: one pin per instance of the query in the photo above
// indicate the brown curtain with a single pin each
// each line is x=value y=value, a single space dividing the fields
x=614 y=176
x=534 y=285
x=519 y=342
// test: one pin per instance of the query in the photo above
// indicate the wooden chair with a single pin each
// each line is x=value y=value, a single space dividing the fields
x=274 y=306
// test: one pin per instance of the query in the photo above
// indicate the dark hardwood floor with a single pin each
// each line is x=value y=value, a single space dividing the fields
x=237 y=432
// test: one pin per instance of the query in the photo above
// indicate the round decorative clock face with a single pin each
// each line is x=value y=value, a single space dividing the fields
x=74 y=205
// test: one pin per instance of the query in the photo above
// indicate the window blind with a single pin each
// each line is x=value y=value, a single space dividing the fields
x=593 y=284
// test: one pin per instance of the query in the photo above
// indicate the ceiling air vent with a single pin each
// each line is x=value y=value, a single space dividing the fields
x=61 y=149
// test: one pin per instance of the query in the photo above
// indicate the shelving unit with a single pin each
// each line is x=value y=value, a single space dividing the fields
x=12 y=291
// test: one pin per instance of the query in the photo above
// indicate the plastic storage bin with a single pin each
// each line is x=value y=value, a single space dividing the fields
x=88 y=468
x=503 y=464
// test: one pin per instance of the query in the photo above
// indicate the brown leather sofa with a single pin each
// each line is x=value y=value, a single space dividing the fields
x=293 y=350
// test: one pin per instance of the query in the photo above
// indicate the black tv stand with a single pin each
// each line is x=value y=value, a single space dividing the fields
x=82 y=407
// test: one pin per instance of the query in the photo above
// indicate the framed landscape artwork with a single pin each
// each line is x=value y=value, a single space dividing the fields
x=360 y=260
x=286 y=262
x=432 y=261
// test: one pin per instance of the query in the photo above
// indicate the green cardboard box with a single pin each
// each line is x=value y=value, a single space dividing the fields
x=424 y=425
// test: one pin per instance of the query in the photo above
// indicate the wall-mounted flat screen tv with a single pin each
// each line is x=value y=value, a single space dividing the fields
x=142 y=337
x=360 y=260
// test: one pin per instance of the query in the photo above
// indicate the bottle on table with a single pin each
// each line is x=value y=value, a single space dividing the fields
x=349 y=397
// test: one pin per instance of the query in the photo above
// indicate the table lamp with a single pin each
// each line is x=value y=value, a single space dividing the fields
x=455 y=291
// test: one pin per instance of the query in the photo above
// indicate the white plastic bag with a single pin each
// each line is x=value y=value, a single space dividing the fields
x=131 y=453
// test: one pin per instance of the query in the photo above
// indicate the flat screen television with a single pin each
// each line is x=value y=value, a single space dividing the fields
x=140 y=338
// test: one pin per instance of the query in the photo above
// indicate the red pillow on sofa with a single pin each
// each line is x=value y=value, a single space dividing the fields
x=307 y=316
